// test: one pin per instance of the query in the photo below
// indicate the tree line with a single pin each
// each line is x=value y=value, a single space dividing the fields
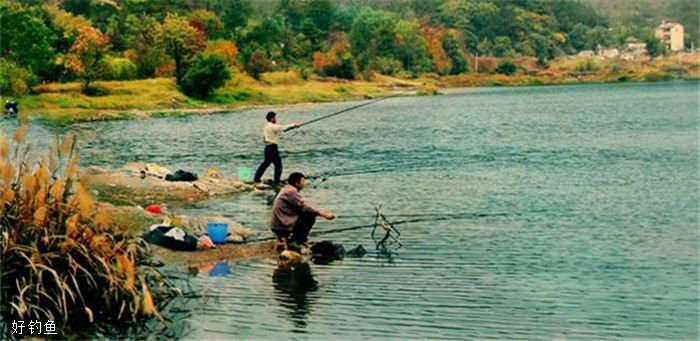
x=200 y=42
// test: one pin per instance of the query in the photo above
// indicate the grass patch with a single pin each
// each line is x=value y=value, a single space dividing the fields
x=281 y=78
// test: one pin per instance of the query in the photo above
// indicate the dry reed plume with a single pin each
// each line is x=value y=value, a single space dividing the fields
x=61 y=259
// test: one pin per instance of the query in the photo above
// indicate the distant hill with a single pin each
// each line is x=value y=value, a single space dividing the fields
x=619 y=12
x=651 y=12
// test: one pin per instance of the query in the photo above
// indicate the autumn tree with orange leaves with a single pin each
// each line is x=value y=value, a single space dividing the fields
x=85 y=56
x=224 y=48
x=433 y=39
x=337 y=61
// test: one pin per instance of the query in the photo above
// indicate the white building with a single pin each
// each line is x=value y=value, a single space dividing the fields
x=633 y=49
x=671 y=34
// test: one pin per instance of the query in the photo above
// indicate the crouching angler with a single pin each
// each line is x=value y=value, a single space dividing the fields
x=292 y=218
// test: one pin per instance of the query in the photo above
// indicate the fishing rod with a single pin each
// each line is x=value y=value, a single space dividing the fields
x=417 y=218
x=350 y=108
x=432 y=215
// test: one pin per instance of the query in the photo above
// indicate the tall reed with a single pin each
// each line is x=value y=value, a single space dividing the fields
x=61 y=259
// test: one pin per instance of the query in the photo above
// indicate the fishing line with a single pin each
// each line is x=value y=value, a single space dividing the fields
x=407 y=166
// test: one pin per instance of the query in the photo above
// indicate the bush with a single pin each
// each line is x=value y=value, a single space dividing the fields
x=304 y=72
x=507 y=67
x=120 y=69
x=587 y=66
x=615 y=67
x=386 y=65
x=257 y=63
x=344 y=69
x=61 y=258
x=485 y=64
x=15 y=80
x=207 y=73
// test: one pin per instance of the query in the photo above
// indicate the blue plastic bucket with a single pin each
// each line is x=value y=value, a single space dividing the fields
x=217 y=232
x=245 y=174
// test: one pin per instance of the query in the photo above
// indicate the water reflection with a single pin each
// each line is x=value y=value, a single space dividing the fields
x=293 y=282
x=221 y=269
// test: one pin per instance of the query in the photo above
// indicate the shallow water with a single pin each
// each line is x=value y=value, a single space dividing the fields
x=578 y=210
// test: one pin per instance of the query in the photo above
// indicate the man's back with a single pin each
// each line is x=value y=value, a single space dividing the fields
x=287 y=207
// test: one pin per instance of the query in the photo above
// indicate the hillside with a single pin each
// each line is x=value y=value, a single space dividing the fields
x=651 y=12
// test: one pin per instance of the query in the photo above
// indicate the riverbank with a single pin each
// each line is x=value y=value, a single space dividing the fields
x=123 y=194
x=153 y=98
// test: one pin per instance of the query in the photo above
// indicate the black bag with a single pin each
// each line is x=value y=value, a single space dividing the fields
x=328 y=249
x=158 y=237
x=181 y=175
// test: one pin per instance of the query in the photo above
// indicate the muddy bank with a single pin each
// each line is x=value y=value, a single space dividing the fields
x=127 y=186
x=224 y=252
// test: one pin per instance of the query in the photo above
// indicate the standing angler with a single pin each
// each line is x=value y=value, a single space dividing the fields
x=271 y=133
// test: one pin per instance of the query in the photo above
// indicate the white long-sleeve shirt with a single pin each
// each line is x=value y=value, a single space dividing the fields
x=271 y=132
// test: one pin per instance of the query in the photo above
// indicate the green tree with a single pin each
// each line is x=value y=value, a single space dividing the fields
x=181 y=42
x=207 y=73
x=15 y=80
x=454 y=52
x=410 y=47
x=571 y=13
x=372 y=34
x=427 y=9
x=142 y=37
x=235 y=17
x=506 y=67
x=577 y=37
x=598 y=36
x=544 y=48
x=26 y=40
x=502 y=47
x=208 y=22
x=321 y=12
x=655 y=47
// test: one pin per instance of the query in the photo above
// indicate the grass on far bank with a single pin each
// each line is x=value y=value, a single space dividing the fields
x=63 y=103
x=577 y=70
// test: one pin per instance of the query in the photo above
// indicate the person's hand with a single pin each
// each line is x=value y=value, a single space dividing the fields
x=327 y=215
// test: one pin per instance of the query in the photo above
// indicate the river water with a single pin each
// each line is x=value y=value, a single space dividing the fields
x=574 y=211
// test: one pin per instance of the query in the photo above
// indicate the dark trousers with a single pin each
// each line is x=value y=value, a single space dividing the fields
x=300 y=233
x=272 y=155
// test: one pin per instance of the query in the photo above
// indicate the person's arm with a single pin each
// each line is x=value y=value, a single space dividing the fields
x=285 y=127
x=328 y=215
x=295 y=200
